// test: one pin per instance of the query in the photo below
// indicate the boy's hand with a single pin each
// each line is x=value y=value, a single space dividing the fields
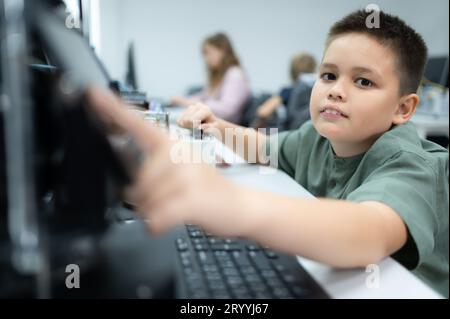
x=198 y=115
x=168 y=193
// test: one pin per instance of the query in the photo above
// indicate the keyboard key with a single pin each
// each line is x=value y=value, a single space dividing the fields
x=210 y=268
x=200 y=241
x=241 y=259
x=182 y=246
x=220 y=247
x=186 y=262
x=194 y=281
x=185 y=254
x=263 y=295
x=217 y=247
x=213 y=276
x=195 y=285
x=222 y=255
x=234 y=281
x=291 y=279
x=268 y=274
x=300 y=292
x=257 y=287
x=274 y=282
x=250 y=270
x=253 y=248
x=230 y=272
x=252 y=278
x=199 y=247
x=259 y=260
x=226 y=264
x=208 y=263
x=205 y=258
x=198 y=295
x=282 y=293
x=232 y=247
x=213 y=241
x=222 y=294
x=195 y=234
x=280 y=268
x=270 y=254
x=192 y=228
x=188 y=271
x=241 y=293
x=242 y=289
x=216 y=285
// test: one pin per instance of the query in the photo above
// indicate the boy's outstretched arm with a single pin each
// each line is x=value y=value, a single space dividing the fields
x=166 y=194
x=336 y=232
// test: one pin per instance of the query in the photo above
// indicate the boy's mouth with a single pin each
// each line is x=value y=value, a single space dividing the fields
x=332 y=112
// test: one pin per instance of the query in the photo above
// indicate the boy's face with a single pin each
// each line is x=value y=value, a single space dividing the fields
x=357 y=94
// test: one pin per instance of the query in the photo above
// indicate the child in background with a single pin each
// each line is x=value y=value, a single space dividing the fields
x=302 y=69
x=228 y=90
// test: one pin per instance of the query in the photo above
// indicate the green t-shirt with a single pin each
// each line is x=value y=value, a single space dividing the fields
x=407 y=173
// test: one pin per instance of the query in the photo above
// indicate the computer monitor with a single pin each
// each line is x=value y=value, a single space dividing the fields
x=76 y=57
x=437 y=70
x=61 y=164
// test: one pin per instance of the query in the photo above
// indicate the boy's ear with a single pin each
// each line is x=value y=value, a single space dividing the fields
x=406 y=108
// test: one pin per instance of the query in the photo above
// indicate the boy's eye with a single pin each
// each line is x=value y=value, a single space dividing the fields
x=364 y=82
x=328 y=77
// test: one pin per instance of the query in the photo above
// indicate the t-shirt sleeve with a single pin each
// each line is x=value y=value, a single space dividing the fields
x=408 y=185
x=286 y=145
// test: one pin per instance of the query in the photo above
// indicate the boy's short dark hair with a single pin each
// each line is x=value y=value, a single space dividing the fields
x=407 y=45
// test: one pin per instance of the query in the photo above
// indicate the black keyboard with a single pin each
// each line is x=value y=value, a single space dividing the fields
x=219 y=268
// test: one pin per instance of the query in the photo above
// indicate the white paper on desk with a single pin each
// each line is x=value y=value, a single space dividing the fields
x=227 y=154
x=222 y=152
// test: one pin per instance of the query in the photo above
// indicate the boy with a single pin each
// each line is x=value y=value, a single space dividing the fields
x=387 y=188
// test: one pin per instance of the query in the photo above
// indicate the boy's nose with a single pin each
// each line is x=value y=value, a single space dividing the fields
x=337 y=92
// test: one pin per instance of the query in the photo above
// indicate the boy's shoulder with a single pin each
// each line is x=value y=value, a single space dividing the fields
x=403 y=140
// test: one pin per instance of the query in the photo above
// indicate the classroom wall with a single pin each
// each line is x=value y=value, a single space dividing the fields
x=168 y=33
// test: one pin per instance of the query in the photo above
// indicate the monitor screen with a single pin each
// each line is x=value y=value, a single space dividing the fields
x=437 y=70
x=69 y=50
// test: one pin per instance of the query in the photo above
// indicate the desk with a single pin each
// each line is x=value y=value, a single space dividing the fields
x=395 y=280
